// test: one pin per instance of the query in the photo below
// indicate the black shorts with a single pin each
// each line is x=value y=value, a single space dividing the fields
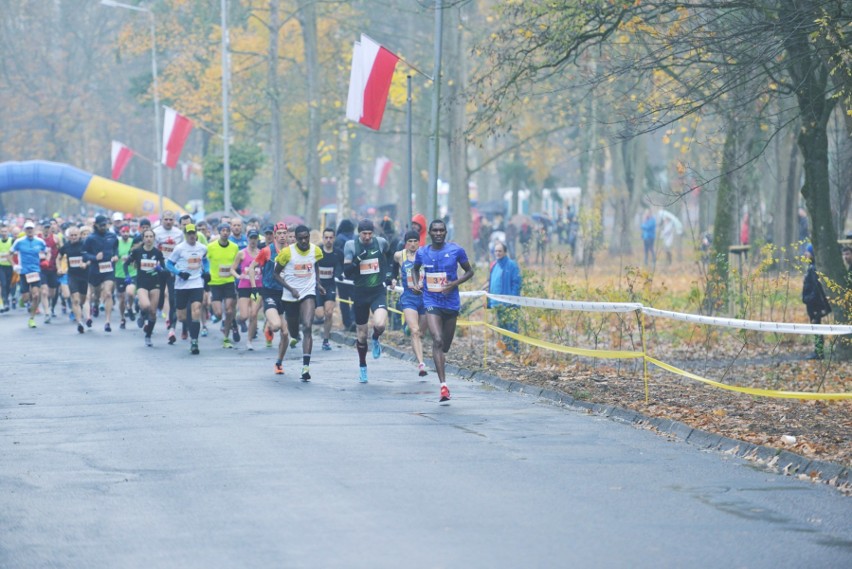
x=120 y=285
x=221 y=292
x=444 y=313
x=26 y=287
x=50 y=278
x=148 y=282
x=292 y=308
x=329 y=296
x=188 y=296
x=78 y=285
x=97 y=279
x=364 y=302
x=272 y=300
x=243 y=293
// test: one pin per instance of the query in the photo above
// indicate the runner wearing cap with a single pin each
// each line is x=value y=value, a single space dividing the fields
x=248 y=299
x=125 y=277
x=71 y=254
x=117 y=222
x=365 y=262
x=296 y=270
x=271 y=292
x=149 y=263
x=330 y=268
x=30 y=250
x=221 y=254
x=440 y=262
x=411 y=300
x=188 y=262
x=100 y=250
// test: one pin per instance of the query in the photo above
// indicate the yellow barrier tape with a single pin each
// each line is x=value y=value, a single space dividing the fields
x=751 y=390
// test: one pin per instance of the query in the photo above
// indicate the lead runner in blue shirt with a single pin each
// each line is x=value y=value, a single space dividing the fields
x=440 y=262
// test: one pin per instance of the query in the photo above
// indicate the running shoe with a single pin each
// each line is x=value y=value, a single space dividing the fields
x=269 y=343
x=88 y=323
x=226 y=343
x=31 y=323
x=326 y=346
x=123 y=324
x=80 y=329
x=53 y=314
x=215 y=319
x=140 y=321
x=47 y=318
x=172 y=337
x=422 y=371
x=95 y=311
x=377 y=349
x=71 y=317
x=445 y=393
x=362 y=374
x=193 y=347
x=236 y=333
x=306 y=374
x=267 y=333
x=204 y=331
x=293 y=342
x=243 y=326
x=249 y=346
x=184 y=335
x=278 y=369
x=107 y=327
x=148 y=342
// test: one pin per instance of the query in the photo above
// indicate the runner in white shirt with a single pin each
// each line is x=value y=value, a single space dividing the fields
x=188 y=263
x=166 y=238
x=298 y=265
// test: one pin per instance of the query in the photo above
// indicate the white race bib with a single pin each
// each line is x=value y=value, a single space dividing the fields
x=435 y=282
x=75 y=262
x=4 y=257
x=409 y=280
x=33 y=277
x=193 y=263
x=303 y=270
x=167 y=248
x=369 y=266
x=105 y=266
x=326 y=273
x=224 y=271
x=148 y=265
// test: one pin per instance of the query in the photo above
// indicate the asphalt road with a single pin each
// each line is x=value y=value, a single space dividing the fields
x=117 y=455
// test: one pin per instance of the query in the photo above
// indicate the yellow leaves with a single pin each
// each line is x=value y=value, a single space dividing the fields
x=666 y=139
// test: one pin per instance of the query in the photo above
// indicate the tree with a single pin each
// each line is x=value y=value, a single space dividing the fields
x=245 y=160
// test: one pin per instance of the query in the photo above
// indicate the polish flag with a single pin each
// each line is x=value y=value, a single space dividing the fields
x=381 y=171
x=176 y=129
x=121 y=156
x=369 y=82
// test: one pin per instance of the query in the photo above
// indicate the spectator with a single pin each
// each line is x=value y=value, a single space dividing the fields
x=649 y=235
x=525 y=237
x=345 y=232
x=541 y=239
x=505 y=278
x=815 y=301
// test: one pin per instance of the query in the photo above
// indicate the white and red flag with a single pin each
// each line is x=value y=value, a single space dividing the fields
x=381 y=171
x=121 y=156
x=176 y=129
x=369 y=82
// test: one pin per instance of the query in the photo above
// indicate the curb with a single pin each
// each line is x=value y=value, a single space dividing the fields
x=771 y=459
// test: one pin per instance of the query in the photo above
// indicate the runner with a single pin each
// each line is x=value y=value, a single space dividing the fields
x=188 y=263
x=30 y=250
x=440 y=262
x=149 y=263
x=125 y=278
x=297 y=271
x=247 y=298
x=271 y=292
x=222 y=254
x=365 y=262
x=330 y=268
x=237 y=235
x=6 y=271
x=100 y=250
x=49 y=272
x=411 y=300
x=167 y=237
x=78 y=283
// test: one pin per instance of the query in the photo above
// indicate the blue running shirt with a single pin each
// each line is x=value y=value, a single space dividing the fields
x=438 y=267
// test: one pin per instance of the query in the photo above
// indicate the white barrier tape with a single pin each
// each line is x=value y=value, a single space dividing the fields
x=781 y=327
x=465 y=293
x=567 y=304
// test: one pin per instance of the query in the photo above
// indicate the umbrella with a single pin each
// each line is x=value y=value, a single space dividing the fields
x=674 y=219
x=542 y=218
x=519 y=219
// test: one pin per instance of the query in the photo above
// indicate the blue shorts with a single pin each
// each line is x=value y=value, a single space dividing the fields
x=411 y=301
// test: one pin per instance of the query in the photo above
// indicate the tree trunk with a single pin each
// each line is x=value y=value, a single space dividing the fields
x=276 y=145
x=308 y=22
x=723 y=226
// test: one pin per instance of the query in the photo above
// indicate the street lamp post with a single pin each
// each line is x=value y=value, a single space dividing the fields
x=226 y=78
x=158 y=158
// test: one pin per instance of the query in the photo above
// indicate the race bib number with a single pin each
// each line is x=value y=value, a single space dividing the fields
x=193 y=263
x=105 y=266
x=409 y=280
x=224 y=271
x=33 y=277
x=148 y=265
x=167 y=248
x=326 y=273
x=75 y=262
x=303 y=270
x=369 y=266
x=435 y=282
x=4 y=257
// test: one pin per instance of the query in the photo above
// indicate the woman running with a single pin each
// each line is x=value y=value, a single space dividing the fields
x=248 y=301
x=149 y=264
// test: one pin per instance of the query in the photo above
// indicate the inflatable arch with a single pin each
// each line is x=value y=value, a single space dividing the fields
x=73 y=182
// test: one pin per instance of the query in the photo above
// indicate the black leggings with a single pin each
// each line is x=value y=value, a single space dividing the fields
x=6 y=283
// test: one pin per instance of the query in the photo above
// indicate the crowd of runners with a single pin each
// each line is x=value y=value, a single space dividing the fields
x=202 y=279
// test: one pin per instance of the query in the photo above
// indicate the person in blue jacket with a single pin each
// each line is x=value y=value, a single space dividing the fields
x=100 y=250
x=30 y=250
x=505 y=278
x=649 y=236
